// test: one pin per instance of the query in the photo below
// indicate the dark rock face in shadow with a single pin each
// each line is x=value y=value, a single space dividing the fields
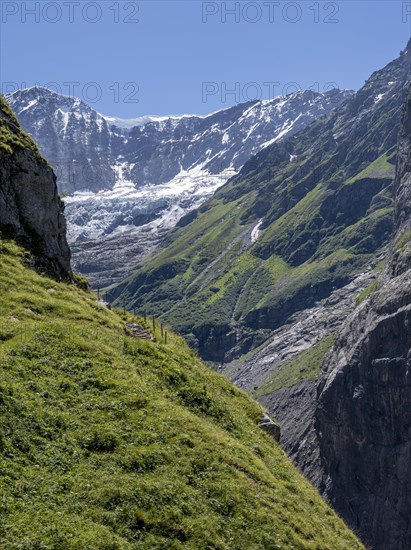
x=30 y=208
x=363 y=413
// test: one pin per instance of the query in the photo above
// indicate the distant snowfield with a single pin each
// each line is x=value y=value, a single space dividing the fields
x=93 y=215
x=127 y=123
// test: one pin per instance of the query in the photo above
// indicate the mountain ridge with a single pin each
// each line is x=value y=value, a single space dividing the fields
x=366 y=377
x=142 y=180
x=322 y=200
x=25 y=102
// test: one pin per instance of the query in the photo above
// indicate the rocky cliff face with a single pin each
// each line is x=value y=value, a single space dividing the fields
x=362 y=418
x=30 y=208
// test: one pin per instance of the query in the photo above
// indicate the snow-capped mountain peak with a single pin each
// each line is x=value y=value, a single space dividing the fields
x=139 y=176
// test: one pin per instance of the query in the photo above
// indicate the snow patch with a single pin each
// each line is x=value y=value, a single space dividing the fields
x=29 y=105
x=255 y=232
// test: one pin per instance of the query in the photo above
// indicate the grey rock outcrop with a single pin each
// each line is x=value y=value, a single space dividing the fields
x=30 y=208
x=268 y=425
x=294 y=409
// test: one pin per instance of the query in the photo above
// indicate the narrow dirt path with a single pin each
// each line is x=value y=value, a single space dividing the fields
x=137 y=332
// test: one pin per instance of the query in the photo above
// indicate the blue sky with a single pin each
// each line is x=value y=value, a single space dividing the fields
x=172 y=57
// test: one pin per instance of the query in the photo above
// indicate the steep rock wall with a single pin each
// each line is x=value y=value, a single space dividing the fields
x=30 y=208
x=363 y=413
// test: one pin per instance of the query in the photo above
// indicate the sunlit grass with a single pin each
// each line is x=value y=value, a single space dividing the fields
x=112 y=442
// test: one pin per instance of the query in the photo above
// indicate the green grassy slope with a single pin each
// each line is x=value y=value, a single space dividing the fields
x=324 y=200
x=111 y=442
x=211 y=278
x=11 y=134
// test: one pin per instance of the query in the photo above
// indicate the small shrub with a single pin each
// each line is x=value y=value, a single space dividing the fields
x=101 y=442
x=145 y=460
x=197 y=398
